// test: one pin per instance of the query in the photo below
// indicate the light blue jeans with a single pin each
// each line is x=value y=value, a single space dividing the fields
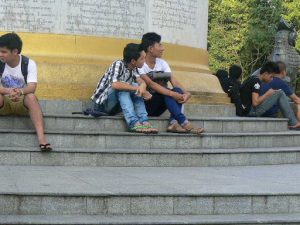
x=279 y=98
x=133 y=107
x=111 y=105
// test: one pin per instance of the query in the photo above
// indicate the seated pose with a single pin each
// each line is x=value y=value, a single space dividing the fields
x=278 y=83
x=162 y=97
x=118 y=87
x=231 y=85
x=18 y=83
x=256 y=105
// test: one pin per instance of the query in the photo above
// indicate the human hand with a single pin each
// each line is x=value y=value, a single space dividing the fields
x=178 y=97
x=147 y=96
x=271 y=92
x=140 y=90
x=186 y=97
x=14 y=94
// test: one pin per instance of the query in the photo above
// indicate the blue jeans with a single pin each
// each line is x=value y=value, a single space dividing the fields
x=175 y=108
x=159 y=103
x=133 y=107
x=280 y=99
x=111 y=105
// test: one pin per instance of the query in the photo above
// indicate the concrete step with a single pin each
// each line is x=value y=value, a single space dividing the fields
x=26 y=190
x=97 y=157
x=147 y=220
x=126 y=140
x=191 y=110
x=69 y=122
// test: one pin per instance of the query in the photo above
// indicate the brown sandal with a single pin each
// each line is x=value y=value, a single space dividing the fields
x=193 y=130
x=176 y=128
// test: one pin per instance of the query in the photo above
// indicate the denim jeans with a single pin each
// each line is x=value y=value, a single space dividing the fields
x=280 y=99
x=133 y=107
x=111 y=105
x=159 y=103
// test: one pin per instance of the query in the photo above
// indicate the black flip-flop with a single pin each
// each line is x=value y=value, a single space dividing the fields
x=45 y=147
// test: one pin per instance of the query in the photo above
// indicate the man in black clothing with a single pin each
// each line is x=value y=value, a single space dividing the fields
x=231 y=85
x=256 y=105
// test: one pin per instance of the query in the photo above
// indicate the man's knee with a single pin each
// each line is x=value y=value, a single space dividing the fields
x=280 y=93
x=30 y=97
x=30 y=100
x=178 y=90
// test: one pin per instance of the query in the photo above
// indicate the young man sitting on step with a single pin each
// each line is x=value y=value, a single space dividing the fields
x=119 y=85
x=18 y=84
x=256 y=105
x=164 y=98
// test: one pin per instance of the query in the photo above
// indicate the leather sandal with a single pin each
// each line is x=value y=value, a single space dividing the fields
x=193 y=130
x=176 y=128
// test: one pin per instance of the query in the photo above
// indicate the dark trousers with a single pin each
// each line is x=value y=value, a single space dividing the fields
x=159 y=103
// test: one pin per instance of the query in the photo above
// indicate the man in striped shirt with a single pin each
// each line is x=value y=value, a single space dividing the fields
x=122 y=84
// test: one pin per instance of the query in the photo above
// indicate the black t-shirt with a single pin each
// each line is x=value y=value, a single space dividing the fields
x=252 y=84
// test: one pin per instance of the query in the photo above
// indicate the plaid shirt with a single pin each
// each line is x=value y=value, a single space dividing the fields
x=117 y=72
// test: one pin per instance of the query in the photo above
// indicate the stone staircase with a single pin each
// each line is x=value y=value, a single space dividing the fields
x=241 y=171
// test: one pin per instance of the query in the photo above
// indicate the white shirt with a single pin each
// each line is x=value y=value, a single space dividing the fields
x=13 y=77
x=160 y=65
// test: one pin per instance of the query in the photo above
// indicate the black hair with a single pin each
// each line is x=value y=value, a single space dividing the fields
x=235 y=72
x=150 y=39
x=281 y=66
x=269 y=67
x=222 y=74
x=11 y=41
x=131 y=51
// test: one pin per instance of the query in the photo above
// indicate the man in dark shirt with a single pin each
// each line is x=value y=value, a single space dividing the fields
x=256 y=105
x=231 y=85
x=279 y=84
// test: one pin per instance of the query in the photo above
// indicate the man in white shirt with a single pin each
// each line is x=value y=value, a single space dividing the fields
x=162 y=97
x=18 y=85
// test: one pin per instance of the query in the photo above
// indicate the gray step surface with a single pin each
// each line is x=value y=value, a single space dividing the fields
x=126 y=140
x=149 y=191
x=147 y=220
x=98 y=157
x=70 y=122
x=191 y=110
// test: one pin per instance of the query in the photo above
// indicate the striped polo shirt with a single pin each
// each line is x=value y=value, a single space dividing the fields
x=117 y=72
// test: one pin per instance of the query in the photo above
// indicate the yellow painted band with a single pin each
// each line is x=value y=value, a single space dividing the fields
x=69 y=66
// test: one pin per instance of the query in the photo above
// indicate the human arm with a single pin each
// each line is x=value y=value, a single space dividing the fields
x=122 y=86
x=186 y=95
x=257 y=100
x=160 y=89
x=295 y=98
x=16 y=93
x=5 y=91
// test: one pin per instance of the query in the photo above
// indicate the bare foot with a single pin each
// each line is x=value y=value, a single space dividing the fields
x=297 y=125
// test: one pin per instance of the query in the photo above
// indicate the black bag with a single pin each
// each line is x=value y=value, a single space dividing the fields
x=160 y=77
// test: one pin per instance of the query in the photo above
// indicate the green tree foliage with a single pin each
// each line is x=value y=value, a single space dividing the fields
x=242 y=31
x=292 y=14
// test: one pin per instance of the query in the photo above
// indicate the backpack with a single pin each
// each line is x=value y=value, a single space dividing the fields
x=24 y=67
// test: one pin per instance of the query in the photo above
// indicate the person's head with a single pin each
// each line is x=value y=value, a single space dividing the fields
x=10 y=47
x=235 y=72
x=151 y=43
x=281 y=69
x=267 y=71
x=221 y=74
x=134 y=55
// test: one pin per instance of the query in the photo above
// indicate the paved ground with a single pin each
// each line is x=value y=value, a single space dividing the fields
x=258 y=180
